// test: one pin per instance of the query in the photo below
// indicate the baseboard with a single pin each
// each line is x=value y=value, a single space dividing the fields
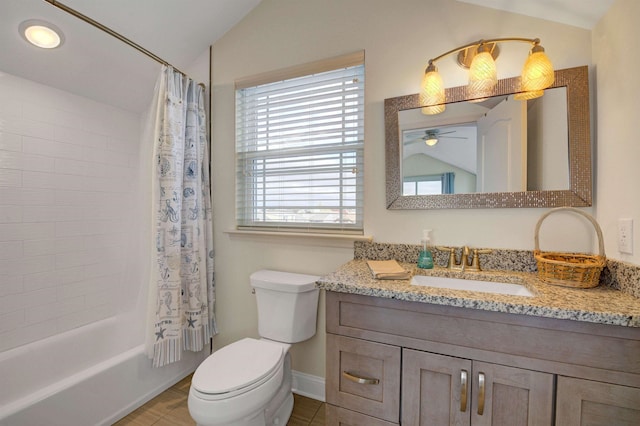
x=308 y=385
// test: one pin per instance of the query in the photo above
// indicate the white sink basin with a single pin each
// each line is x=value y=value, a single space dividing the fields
x=471 y=285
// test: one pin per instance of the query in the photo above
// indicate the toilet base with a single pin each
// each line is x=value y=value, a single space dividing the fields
x=277 y=411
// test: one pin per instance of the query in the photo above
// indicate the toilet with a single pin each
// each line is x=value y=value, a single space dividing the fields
x=248 y=383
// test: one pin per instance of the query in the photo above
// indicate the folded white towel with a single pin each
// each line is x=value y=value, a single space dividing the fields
x=388 y=270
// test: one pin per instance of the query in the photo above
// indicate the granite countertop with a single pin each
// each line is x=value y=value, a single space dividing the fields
x=603 y=305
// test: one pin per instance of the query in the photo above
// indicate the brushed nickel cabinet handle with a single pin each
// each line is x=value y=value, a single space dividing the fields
x=481 y=391
x=464 y=387
x=361 y=380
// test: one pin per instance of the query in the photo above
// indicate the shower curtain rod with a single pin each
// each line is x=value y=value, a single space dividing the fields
x=113 y=33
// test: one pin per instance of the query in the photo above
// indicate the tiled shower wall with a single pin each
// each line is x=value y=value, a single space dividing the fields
x=68 y=173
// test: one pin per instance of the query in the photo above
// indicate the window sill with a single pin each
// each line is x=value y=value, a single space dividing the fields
x=306 y=235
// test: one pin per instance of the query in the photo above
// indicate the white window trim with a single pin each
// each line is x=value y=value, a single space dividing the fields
x=344 y=61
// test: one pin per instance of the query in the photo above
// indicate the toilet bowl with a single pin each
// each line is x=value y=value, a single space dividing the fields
x=248 y=383
x=235 y=384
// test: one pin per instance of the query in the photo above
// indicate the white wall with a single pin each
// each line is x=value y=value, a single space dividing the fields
x=67 y=166
x=617 y=111
x=398 y=39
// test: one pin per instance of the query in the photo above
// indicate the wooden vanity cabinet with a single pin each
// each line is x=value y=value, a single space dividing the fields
x=444 y=390
x=586 y=402
x=423 y=364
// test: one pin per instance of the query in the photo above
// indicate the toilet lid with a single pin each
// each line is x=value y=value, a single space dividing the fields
x=237 y=366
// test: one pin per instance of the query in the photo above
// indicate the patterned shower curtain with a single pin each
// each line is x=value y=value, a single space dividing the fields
x=182 y=282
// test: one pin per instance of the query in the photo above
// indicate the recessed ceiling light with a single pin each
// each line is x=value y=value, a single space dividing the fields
x=41 y=33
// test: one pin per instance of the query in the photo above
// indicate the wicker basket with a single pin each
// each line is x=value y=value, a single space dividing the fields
x=570 y=269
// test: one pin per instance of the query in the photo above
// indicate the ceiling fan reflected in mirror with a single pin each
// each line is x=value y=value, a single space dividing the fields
x=431 y=137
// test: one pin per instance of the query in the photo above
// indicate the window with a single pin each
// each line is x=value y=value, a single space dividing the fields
x=300 y=149
x=428 y=184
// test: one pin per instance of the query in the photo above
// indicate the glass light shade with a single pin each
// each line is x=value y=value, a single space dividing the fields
x=41 y=34
x=431 y=141
x=483 y=75
x=531 y=94
x=432 y=92
x=537 y=73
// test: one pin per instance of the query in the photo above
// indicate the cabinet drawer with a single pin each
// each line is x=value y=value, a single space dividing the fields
x=364 y=376
x=337 y=416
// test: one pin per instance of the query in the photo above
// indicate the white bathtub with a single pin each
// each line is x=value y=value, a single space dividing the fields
x=92 y=375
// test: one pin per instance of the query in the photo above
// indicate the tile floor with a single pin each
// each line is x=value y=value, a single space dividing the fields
x=170 y=409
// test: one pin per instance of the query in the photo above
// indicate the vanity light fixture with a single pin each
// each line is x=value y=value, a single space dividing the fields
x=41 y=33
x=479 y=57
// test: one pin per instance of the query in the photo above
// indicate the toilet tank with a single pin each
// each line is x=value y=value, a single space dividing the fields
x=287 y=305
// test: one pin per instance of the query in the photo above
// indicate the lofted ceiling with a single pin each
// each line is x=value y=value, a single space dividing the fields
x=578 y=13
x=93 y=64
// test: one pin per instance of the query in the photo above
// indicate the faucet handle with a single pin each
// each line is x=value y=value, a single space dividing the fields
x=451 y=263
x=475 y=262
x=445 y=248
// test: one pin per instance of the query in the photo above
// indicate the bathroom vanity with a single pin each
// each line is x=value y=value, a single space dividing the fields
x=404 y=354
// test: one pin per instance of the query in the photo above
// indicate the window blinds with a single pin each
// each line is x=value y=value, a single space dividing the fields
x=300 y=149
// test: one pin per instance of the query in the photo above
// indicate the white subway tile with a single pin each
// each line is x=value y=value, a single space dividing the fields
x=11 y=178
x=10 y=141
x=84 y=287
x=15 y=302
x=11 y=214
x=23 y=335
x=84 y=317
x=75 y=259
x=53 y=246
x=21 y=161
x=30 y=231
x=80 y=137
x=27 y=127
x=52 y=214
x=11 y=250
x=103 y=269
x=72 y=167
x=51 y=148
x=71 y=275
x=104 y=156
x=39 y=180
x=37 y=163
x=41 y=280
x=26 y=197
x=53 y=310
x=71 y=229
x=107 y=297
x=27 y=265
x=11 y=320
x=129 y=146
x=10 y=284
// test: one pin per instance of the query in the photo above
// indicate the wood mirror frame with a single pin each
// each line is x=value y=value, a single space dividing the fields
x=576 y=81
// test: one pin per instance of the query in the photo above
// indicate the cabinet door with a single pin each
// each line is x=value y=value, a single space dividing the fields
x=511 y=396
x=585 y=402
x=436 y=389
x=364 y=376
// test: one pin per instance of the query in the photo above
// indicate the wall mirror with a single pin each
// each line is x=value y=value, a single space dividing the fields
x=496 y=153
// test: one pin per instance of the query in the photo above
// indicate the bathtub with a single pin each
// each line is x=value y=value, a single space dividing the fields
x=92 y=375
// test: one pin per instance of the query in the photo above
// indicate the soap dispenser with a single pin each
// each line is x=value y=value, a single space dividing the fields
x=425 y=259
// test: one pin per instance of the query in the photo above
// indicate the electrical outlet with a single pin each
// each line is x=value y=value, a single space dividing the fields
x=625 y=236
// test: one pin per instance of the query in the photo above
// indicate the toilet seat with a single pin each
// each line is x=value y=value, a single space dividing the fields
x=237 y=369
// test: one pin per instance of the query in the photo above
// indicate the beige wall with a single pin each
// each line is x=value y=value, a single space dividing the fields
x=617 y=110
x=398 y=38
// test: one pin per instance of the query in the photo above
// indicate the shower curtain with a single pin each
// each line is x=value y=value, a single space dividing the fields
x=182 y=291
